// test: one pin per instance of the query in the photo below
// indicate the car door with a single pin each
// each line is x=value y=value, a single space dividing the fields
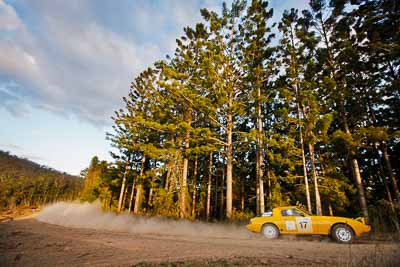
x=304 y=224
x=295 y=222
x=322 y=224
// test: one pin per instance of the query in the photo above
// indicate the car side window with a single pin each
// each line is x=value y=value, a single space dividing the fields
x=267 y=214
x=290 y=212
x=286 y=213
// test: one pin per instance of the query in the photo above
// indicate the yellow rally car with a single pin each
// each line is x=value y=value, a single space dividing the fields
x=293 y=220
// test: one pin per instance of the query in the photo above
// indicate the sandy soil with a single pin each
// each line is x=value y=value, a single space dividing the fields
x=28 y=242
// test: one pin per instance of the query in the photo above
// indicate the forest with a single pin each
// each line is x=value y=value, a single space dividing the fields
x=24 y=183
x=253 y=112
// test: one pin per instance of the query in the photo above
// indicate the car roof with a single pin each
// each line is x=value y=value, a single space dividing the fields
x=286 y=207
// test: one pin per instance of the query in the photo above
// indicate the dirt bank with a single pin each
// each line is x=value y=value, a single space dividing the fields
x=29 y=242
x=18 y=213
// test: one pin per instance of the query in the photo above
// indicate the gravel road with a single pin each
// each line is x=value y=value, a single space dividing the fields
x=28 y=242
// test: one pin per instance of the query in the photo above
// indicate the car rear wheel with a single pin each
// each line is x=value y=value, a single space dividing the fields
x=270 y=231
x=342 y=233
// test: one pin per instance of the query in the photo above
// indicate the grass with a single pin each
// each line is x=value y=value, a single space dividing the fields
x=378 y=258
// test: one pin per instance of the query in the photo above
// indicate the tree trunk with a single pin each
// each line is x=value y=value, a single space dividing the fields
x=354 y=165
x=303 y=157
x=330 y=209
x=138 y=197
x=131 y=197
x=260 y=157
x=390 y=171
x=167 y=179
x=221 y=208
x=270 y=204
x=382 y=176
x=216 y=196
x=229 y=160
x=151 y=193
x=173 y=176
x=124 y=197
x=257 y=191
x=183 y=189
x=242 y=199
x=318 y=206
x=194 y=189
x=360 y=187
x=209 y=187
x=343 y=120
x=296 y=86
x=385 y=156
x=111 y=199
x=122 y=192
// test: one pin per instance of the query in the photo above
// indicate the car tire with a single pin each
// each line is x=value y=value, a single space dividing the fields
x=270 y=231
x=342 y=233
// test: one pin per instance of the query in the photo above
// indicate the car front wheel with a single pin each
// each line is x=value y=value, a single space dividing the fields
x=270 y=231
x=342 y=233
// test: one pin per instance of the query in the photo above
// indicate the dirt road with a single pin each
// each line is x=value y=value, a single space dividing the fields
x=29 y=242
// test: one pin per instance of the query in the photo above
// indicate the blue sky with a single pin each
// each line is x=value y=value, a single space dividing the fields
x=65 y=66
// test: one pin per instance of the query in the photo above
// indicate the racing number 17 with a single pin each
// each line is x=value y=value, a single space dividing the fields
x=303 y=225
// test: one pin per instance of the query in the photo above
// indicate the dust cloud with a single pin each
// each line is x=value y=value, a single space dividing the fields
x=91 y=216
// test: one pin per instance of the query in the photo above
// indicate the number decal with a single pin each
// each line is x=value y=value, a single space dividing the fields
x=304 y=224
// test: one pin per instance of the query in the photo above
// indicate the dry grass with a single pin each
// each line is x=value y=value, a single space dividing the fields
x=378 y=258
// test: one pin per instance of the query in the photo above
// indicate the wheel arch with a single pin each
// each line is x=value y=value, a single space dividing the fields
x=338 y=223
x=264 y=224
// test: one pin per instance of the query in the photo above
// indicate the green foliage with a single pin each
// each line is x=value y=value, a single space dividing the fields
x=25 y=183
x=242 y=216
x=165 y=204
x=343 y=141
x=333 y=75
x=326 y=87
x=92 y=180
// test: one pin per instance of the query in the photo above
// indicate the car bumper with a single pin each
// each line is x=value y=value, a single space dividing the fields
x=365 y=232
x=253 y=227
